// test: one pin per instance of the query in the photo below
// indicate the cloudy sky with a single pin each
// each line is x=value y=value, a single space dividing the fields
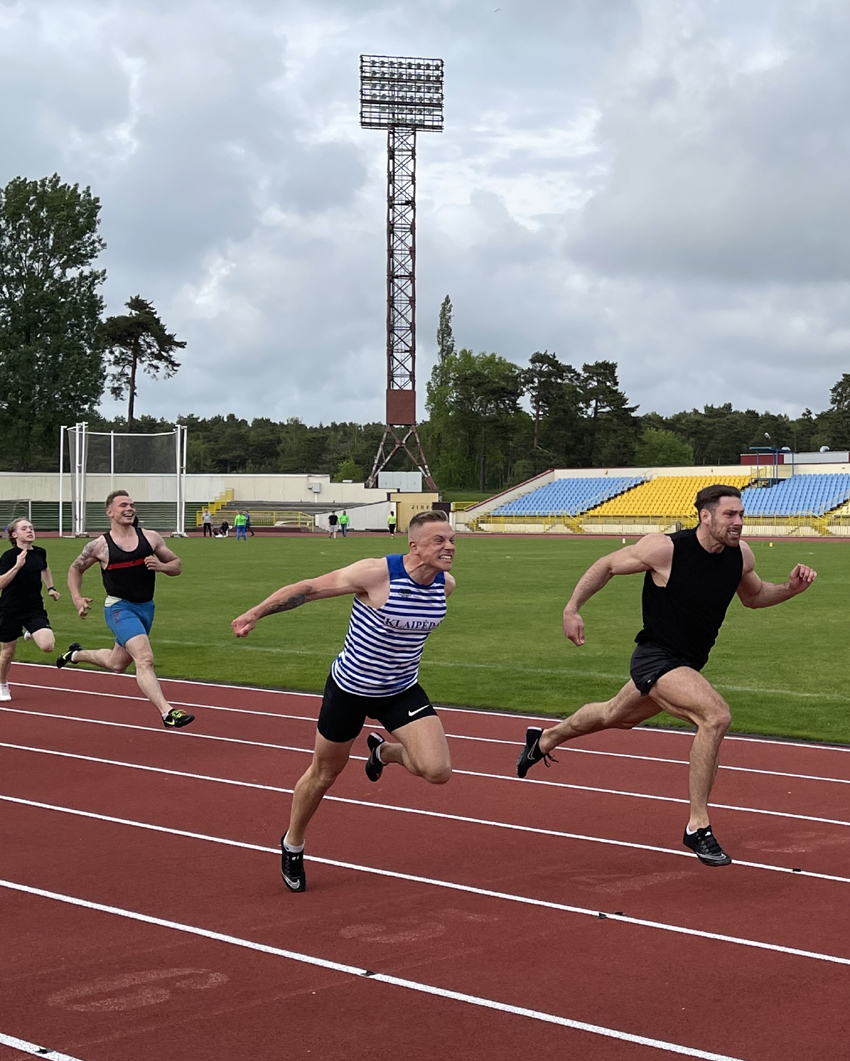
x=661 y=183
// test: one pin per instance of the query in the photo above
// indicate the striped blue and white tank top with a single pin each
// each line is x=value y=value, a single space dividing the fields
x=383 y=646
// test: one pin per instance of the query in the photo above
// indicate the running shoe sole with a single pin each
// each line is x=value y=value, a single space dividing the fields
x=374 y=766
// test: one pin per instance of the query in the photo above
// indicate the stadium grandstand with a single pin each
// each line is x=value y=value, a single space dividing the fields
x=669 y=497
x=801 y=495
x=568 y=496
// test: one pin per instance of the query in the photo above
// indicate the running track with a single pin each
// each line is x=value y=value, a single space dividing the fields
x=143 y=917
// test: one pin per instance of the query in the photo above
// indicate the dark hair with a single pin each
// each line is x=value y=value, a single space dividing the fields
x=115 y=493
x=709 y=497
x=431 y=515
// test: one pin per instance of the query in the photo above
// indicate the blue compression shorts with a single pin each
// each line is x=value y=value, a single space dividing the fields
x=126 y=619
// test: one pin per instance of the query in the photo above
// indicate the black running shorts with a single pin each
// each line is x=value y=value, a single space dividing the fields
x=344 y=714
x=12 y=626
x=650 y=661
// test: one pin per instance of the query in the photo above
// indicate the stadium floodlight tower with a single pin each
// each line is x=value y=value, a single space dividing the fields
x=402 y=95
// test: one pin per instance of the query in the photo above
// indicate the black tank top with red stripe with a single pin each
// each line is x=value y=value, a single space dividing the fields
x=126 y=575
x=685 y=616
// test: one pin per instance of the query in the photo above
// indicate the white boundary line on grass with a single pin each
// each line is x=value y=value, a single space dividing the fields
x=33 y=1048
x=488 y=893
x=476 y=711
x=464 y=773
x=311 y=719
x=372 y=976
x=416 y=811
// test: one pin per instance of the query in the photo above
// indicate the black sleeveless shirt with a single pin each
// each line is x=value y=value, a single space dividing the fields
x=685 y=616
x=126 y=575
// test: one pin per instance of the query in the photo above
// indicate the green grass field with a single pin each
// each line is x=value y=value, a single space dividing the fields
x=784 y=670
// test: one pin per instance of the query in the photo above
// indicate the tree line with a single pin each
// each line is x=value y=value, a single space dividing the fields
x=490 y=423
x=58 y=353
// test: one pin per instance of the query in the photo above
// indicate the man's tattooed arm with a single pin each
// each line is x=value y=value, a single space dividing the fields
x=87 y=557
x=295 y=601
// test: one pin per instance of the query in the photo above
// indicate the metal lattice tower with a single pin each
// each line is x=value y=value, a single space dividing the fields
x=401 y=95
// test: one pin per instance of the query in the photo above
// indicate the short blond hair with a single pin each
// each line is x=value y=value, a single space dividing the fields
x=431 y=515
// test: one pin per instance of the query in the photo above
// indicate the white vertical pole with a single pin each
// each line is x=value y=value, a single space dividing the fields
x=111 y=461
x=61 y=467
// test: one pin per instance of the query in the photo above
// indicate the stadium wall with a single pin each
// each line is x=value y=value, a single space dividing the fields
x=200 y=489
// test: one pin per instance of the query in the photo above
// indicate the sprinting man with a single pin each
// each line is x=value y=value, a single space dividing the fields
x=398 y=601
x=130 y=558
x=23 y=569
x=691 y=578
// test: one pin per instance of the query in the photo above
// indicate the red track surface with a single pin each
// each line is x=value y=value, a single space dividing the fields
x=99 y=985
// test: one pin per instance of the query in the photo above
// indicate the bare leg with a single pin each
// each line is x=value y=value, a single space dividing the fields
x=329 y=760
x=45 y=639
x=623 y=711
x=423 y=750
x=684 y=693
x=7 y=654
x=117 y=659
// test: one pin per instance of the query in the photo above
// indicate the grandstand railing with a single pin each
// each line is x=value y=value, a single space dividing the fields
x=754 y=526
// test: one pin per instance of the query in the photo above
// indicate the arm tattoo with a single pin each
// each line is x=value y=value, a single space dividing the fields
x=295 y=601
x=84 y=560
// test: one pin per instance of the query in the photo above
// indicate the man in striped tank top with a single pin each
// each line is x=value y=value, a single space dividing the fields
x=398 y=601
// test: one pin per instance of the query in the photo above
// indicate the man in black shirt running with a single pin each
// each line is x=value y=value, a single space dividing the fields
x=691 y=578
x=129 y=558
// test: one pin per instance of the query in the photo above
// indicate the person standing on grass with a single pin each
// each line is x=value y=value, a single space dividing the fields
x=206 y=523
x=240 y=522
x=344 y=520
x=23 y=569
x=398 y=601
x=690 y=579
x=333 y=524
x=129 y=559
x=391 y=521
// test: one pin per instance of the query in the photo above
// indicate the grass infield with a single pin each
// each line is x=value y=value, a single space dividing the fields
x=784 y=670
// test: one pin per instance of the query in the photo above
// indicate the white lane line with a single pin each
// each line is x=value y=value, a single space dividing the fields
x=459 y=710
x=412 y=810
x=373 y=976
x=511 y=897
x=33 y=1048
x=454 y=736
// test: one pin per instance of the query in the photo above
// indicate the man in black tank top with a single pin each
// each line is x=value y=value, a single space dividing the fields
x=129 y=558
x=690 y=579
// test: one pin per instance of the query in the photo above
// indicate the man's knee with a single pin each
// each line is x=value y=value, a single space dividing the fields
x=718 y=718
x=436 y=773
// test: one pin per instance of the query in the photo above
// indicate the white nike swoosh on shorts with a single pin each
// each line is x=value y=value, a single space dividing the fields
x=410 y=714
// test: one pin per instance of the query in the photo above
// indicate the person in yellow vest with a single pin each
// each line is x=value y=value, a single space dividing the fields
x=344 y=520
x=391 y=522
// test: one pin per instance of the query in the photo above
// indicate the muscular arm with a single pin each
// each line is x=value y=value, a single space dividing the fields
x=163 y=560
x=755 y=593
x=652 y=553
x=93 y=553
x=361 y=578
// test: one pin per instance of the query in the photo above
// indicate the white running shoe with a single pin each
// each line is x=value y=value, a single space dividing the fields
x=5 y=693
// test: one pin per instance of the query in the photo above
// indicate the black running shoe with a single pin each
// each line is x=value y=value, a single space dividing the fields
x=65 y=658
x=706 y=848
x=531 y=753
x=177 y=718
x=374 y=766
x=292 y=869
